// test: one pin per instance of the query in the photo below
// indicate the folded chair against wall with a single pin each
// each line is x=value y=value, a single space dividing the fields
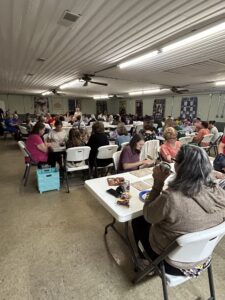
x=189 y=248
x=116 y=158
x=29 y=162
x=76 y=160
x=104 y=153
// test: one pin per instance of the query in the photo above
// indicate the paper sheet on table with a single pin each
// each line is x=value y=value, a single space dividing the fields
x=142 y=172
x=140 y=185
x=149 y=181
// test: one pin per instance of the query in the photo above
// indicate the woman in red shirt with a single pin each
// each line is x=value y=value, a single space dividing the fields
x=171 y=146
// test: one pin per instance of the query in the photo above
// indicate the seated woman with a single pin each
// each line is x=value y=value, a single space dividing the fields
x=35 y=145
x=192 y=202
x=169 y=149
x=122 y=135
x=130 y=156
x=203 y=130
x=148 y=131
x=57 y=138
x=97 y=139
x=74 y=139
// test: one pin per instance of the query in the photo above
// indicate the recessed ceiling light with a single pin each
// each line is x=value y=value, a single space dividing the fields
x=220 y=83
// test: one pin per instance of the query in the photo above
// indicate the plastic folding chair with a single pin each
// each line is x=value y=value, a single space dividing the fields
x=29 y=162
x=116 y=158
x=188 y=248
x=24 y=132
x=123 y=145
x=186 y=140
x=105 y=152
x=206 y=139
x=215 y=145
x=73 y=157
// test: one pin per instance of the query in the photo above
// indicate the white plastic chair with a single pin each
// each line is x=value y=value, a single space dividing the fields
x=188 y=248
x=24 y=132
x=116 y=158
x=29 y=162
x=186 y=140
x=150 y=148
x=206 y=139
x=105 y=152
x=73 y=155
x=123 y=145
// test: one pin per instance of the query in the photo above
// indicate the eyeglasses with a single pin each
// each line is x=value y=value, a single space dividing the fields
x=174 y=159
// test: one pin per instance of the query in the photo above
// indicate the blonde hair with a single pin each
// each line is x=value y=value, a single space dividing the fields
x=170 y=133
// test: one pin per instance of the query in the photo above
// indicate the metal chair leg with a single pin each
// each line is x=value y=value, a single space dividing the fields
x=163 y=278
x=67 y=182
x=27 y=174
x=211 y=283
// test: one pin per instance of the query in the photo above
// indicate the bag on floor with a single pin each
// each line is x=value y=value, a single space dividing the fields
x=219 y=163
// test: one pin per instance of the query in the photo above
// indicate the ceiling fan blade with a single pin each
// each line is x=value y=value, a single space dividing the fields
x=99 y=83
x=86 y=83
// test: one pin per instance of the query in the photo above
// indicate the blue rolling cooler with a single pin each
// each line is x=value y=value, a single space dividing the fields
x=48 y=179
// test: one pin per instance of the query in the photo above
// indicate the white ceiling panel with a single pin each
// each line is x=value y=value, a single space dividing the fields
x=108 y=32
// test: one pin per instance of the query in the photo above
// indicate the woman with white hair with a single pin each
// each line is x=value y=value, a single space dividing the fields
x=171 y=146
x=192 y=202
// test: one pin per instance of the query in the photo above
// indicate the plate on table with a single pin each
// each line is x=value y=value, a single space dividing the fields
x=143 y=194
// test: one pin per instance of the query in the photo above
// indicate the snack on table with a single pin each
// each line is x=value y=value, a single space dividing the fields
x=124 y=199
x=115 y=181
x=124 y=202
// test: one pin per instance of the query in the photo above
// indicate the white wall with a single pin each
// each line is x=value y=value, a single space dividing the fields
x=25 y=103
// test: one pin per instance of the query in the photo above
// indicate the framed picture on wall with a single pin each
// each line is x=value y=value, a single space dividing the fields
x=122 y=107
x=159 y=109
x=41 y=105
x=189 y=106
x=73 y=104
x=139 y=108
x=101 y=107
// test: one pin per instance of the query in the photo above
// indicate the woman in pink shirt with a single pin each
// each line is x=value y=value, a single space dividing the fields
x=171 y=146
x=201 y=133
x=35 y=145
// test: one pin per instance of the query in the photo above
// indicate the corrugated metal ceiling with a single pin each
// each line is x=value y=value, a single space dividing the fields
x=107 y=32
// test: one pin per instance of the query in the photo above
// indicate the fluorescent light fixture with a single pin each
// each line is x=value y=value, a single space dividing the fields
x=46 y=93
x=220 y=83
x=101 y=97
x=195 y=37
x=69 y=84
x=146 y=92
x=139 y=59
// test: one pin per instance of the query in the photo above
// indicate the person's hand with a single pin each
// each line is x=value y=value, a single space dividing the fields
x=159 y=174
x=148 y=162
x=218 y=175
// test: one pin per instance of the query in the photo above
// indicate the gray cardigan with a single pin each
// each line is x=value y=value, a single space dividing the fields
x=173 y=214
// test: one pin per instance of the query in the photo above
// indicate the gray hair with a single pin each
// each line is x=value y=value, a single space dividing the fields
x=193 y=170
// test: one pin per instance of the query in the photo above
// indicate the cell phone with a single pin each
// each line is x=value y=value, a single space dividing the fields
x=113 y=193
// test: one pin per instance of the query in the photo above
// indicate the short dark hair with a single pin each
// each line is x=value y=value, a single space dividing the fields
x=98 y=127
x=212 y=122
x=37 y=127
x=205 y=124
x=133 y=142
x=58 y=123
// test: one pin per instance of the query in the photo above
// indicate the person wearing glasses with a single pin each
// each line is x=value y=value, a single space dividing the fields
x=171 y=146
x=192 y=202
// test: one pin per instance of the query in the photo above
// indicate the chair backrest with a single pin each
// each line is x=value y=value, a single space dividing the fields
x=150 y=148
x=123 y=145
x=138 y=128
x=106 y=152
x=23 y=130
x=186 y=140
x=116 y=158
x=23 y=149
x=78 y=153
x=207 y=138
x=197 y=246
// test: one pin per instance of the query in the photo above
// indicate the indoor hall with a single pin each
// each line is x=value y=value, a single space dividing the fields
x=119 y=69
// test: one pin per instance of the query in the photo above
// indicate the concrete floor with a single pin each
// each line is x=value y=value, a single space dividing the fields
x=52 y=246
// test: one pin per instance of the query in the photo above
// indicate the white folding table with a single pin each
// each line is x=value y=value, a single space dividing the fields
x=122 y=214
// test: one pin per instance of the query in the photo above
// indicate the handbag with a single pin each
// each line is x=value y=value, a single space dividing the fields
x=219 y=162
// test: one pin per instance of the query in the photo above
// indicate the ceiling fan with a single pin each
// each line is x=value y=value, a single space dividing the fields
x=58 y=93
x=178 y=90
x=87 y=78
